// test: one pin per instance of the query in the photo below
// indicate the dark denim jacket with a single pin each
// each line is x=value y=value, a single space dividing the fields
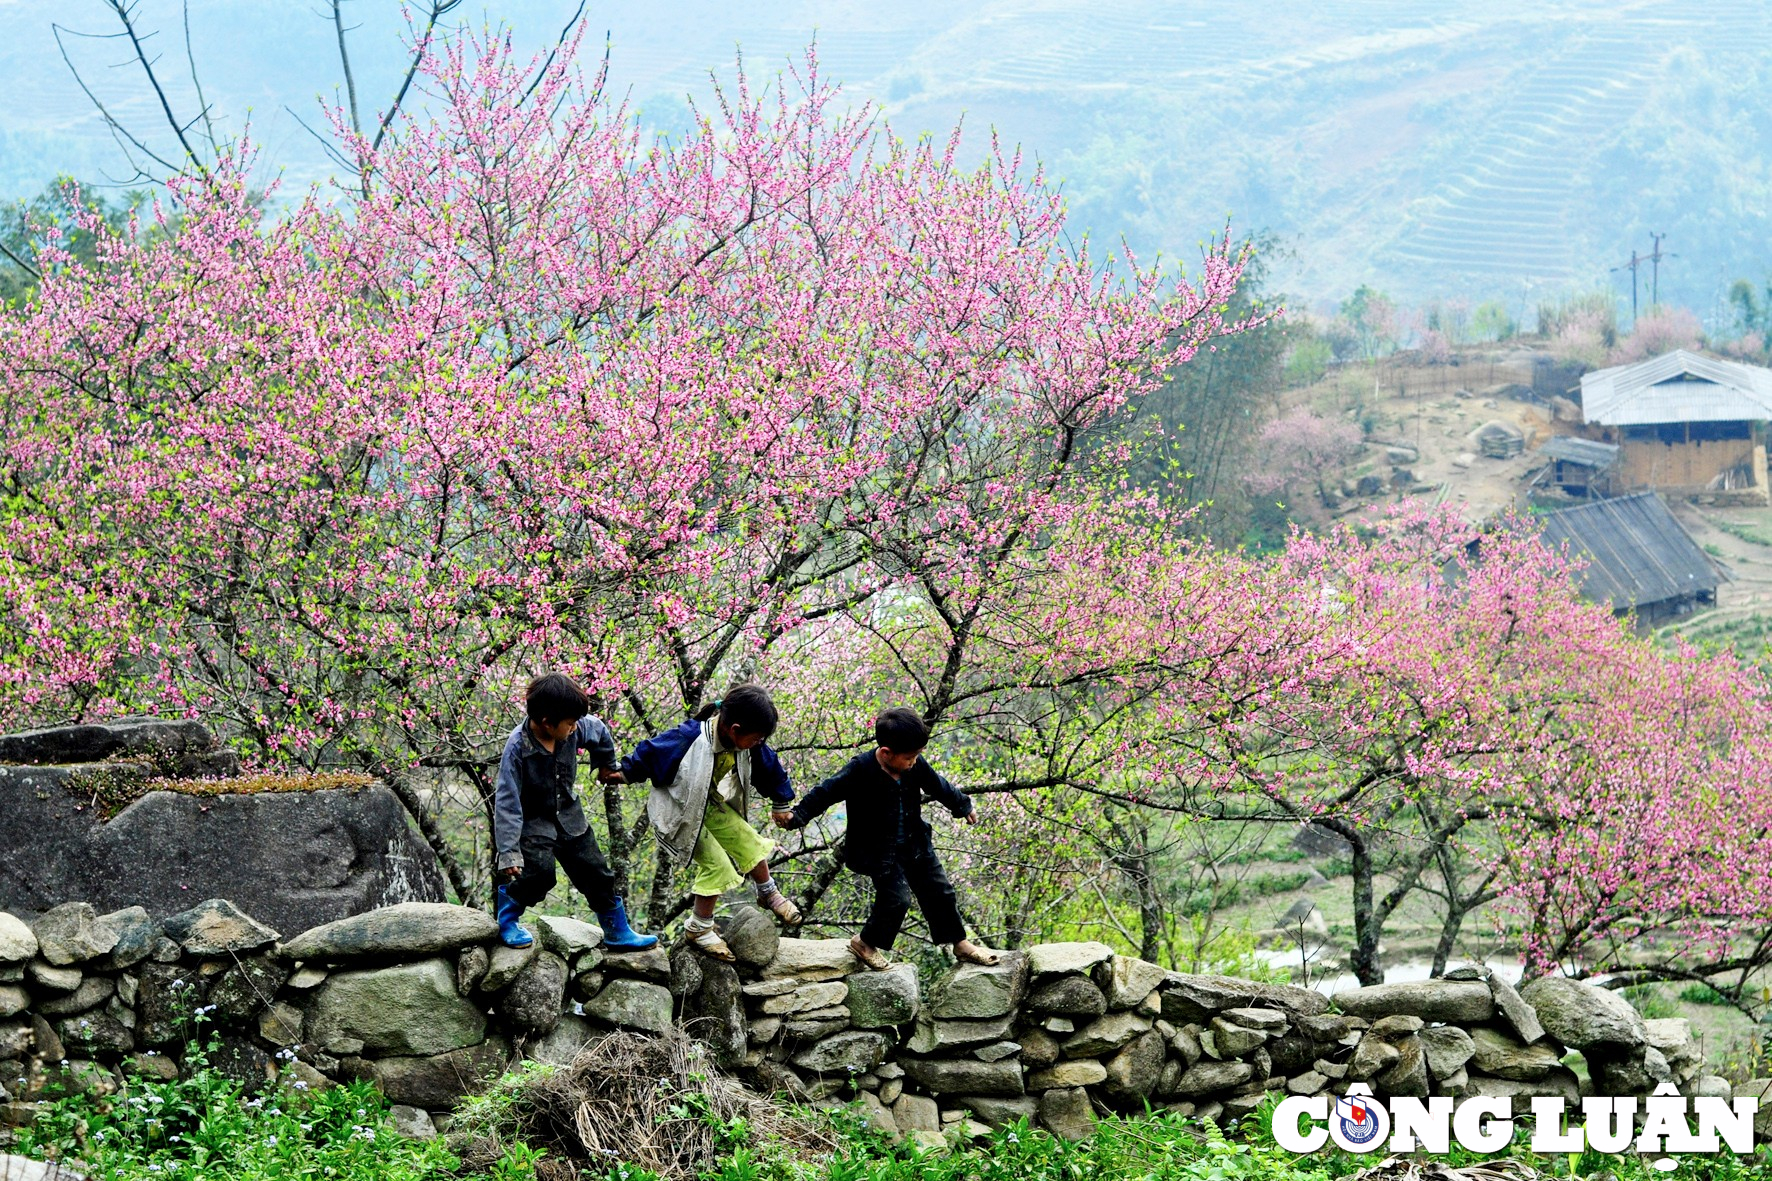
x=534 y=796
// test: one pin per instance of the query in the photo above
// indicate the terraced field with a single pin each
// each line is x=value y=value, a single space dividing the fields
x=1431 y=147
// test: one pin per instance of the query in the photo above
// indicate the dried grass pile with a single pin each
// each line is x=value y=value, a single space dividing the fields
x=655 y=1102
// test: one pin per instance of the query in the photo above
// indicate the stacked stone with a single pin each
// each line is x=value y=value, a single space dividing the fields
x=81 y=994
x=1471 y=1033
x=420 y=998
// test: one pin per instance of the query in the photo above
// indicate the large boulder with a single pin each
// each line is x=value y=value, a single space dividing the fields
x=713 y=1011
x=811 y=959
x=974 y=991
x=881 y=999
x=436 y=1081
x=965 y=1076
x=216 y=927
x=532 y=1003
x=1586 y=1018
x=18 y=943
x=408 y=1010
x=1060 y=959
x=92 y=742
x=1190 y=999
x=291 y=859
x=1462 y=1002
x=1132 y=1073
x=71 y=934
x=845 y=1053
x=632 y=1004
x=394 y=932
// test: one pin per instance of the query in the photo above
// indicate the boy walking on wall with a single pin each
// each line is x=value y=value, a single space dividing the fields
x=537 y=820
x=702 y=773
x=889 y=841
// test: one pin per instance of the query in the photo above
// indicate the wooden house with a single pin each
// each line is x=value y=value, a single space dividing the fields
x=1685 y=424
x=1638 y=557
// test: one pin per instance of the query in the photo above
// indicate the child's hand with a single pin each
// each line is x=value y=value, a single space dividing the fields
x=782 y=817
x=610 y=775
x=972 y=816
x=511 y=873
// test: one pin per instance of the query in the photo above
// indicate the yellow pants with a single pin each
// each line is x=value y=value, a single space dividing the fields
x=726 y=851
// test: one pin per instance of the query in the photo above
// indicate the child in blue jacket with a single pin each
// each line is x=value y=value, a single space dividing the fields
x=702 y=773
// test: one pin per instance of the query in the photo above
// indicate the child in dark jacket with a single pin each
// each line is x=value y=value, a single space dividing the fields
x=702 y=772
x=537 y=820
x=889 y=841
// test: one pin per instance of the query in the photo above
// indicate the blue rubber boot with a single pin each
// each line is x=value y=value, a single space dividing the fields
x=617 y=935
x=508 y=914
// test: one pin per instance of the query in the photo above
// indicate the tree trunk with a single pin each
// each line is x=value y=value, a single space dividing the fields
x=1448 y=936
x=459 y=881
x=618 y=836
x=1364 y=959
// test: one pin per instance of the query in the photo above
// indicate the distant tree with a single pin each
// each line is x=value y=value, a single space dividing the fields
x=1371 y=318
x=53 y=229
x=1435 y=347
x=1302 y=447
x=1309 y=357
x=1195 y=431
x=1659 y=330
x=1753 y=309
x=1490 y=321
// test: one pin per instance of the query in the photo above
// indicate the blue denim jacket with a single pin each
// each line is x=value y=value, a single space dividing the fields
x=534 y=796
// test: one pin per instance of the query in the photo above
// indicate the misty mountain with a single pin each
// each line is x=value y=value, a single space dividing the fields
x=1509 y=150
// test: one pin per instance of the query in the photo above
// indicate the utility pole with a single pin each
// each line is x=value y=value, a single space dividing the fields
x=1632 y=266
x=1655 y=269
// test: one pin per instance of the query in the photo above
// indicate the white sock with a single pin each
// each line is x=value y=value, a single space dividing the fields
x=766 y=887
x=697 y=925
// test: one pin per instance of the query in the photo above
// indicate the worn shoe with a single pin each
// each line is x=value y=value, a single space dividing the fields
x=784 y=908
x=508 y=912
x=617 y=935
x=706 y=939
x=868 y=955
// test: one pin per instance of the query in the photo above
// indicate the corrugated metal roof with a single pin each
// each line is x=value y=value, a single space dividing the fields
x=1599 y=456
x=1636 y=551
x=1677 y=387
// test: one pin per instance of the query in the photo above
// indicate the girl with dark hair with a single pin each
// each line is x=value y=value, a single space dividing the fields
x=702 y=773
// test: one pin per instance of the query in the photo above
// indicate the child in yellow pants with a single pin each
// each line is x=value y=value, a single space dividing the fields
x=702 y=773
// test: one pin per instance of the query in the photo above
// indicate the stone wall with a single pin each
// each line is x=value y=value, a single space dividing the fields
x=293 y=859
x=422 y=999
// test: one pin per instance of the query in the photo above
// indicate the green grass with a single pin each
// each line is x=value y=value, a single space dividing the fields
x=1703 y=994
x=1746 y=533
x=209 y=1128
